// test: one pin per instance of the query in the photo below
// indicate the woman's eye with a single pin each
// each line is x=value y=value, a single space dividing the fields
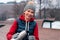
x=32 y=12
x=28 y=11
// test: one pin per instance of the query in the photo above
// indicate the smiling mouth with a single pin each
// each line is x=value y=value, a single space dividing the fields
x=29 y=16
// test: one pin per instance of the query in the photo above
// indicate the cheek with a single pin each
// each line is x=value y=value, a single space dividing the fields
x=32 y=14
x=25 y=13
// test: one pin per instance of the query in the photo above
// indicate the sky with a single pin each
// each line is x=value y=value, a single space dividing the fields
x=5 y=1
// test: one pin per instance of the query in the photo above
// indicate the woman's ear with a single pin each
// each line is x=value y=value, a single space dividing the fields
x=24 y=13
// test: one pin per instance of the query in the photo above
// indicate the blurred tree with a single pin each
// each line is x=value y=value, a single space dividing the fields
x=18 y=8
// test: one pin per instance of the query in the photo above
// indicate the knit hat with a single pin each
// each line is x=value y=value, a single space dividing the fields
x=29 y=6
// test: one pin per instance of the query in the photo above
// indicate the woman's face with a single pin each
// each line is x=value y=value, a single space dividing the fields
x=29 y=13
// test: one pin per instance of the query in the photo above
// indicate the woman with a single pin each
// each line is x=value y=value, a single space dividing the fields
x=18 y=26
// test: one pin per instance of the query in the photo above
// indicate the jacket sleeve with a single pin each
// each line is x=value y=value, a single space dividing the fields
x=36 y=32
x=12 y=30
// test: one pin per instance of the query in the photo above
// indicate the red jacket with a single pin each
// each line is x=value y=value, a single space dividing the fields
x=14 y=27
